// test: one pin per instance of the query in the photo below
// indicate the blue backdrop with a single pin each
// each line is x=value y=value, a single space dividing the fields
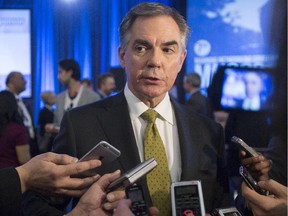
x=81 y=29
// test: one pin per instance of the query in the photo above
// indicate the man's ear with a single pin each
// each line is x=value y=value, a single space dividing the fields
x=121 y=54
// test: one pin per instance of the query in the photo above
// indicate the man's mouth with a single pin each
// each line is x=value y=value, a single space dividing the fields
x=151 y=78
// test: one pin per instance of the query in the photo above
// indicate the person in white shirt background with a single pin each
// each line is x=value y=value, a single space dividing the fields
x=16 y=84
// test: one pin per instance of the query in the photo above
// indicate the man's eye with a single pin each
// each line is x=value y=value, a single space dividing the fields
x=140 y=49
x=168 y=50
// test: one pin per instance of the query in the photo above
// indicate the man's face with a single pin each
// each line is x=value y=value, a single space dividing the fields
x=19 y=83
x=186 y=85
x=64 y=76
x=253 y=85
x=109 y=85
x=153 y=57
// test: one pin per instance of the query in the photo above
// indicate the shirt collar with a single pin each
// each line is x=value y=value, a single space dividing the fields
x=137 y=107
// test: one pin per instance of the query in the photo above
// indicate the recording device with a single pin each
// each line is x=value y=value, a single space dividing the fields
x=133 y=175
x=187 y=198
x=245 y=147
x=104 y=152
x=136 y=195
x=226 y=212
x=250 y=181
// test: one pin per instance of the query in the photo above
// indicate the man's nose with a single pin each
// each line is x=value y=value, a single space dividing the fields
x=155 y=58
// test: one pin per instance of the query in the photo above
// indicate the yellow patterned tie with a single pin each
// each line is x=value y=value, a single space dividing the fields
x=158 y=180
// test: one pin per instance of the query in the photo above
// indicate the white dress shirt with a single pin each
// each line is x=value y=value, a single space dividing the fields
x=27 y=120
x=71 y=103
x=166 y=125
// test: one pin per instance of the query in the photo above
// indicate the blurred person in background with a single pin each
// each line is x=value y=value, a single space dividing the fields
x=75 y=95
x=46 y=116
x=106 y=85
x=14 y=140
x=87 y=83
x=16 y=84
x=197 y=101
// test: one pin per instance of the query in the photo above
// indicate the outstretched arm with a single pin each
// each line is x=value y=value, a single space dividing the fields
x=51 y=173
x=274 y=204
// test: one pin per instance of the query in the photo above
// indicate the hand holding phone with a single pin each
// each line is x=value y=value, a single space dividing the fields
x=250 y=181
x=244 y=146
x=104 y=152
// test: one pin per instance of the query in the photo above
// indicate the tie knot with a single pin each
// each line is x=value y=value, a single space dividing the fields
x=149 y=115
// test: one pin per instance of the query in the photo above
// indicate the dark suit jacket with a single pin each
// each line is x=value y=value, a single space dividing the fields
x=10 y=192
x=45 y=116
x=199 y=103
x=201 y=142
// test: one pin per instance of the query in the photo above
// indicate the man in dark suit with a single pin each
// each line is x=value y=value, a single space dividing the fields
x=105 y=85
x=16 y=84
x=152 y=50
x=197 y=101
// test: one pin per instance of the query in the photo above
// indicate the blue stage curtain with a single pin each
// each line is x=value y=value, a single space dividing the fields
x=85 y=30
x=45 y=51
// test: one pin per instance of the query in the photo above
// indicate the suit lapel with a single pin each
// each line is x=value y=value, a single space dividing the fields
x=189 y=149
x=118 y=128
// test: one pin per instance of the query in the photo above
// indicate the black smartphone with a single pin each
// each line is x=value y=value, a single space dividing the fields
x=250 y=181
x=244 y=146
x=136 y=195
x=133 y=175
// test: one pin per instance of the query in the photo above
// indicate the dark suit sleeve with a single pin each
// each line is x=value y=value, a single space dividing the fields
x=222 y=193
x=10 y=192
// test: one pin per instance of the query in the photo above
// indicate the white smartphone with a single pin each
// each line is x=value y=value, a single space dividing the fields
x=244 y=146
x=187 y=198
x=104 y=152
x=133 y=175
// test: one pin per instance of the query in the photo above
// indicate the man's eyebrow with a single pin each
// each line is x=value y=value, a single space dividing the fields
x=142 y=42
x=147 y=44
x=170 y=43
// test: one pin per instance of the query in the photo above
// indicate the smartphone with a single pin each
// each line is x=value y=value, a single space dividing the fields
x=136 y=195
x=243 y=146
x=250 y=181
x=232 y=211
x=133 y=175
x=104 y=152
x=187 y=198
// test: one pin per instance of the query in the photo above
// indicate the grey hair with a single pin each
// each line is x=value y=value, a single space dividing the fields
x=193 y=79
x=148 y=10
